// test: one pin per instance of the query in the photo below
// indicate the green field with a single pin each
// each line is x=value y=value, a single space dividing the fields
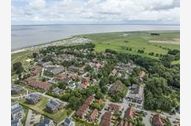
x=40 y=107
x=119 y=41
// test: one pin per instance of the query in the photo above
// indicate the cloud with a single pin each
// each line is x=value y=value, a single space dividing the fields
x=95 y=11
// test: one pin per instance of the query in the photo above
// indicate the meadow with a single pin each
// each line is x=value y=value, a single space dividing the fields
x=131 y=42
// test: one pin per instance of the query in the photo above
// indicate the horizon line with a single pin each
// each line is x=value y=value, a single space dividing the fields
x=97 y=24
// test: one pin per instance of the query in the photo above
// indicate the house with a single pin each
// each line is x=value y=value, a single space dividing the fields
x=46 y=122
x=36 y=70
x=68 y=122
x=114 y=107
x=57 y=91
x=129 y=114
x=106 y=119
x=72 y=85
x=84 y=84
x=93 y=115
x=33 y=98
x=136 y=94
x=15 y=89
x=53 y=106
x=73 y=69
x=83 y=109
x=37 y=84
x=53 y=69
x=17 y=112
x=16 y=122
x=157 y=120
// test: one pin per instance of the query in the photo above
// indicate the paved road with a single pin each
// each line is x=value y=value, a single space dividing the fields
x=27 y=123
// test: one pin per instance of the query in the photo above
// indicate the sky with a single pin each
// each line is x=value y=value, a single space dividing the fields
x=95 y=12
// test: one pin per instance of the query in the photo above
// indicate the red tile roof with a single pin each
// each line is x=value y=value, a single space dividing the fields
x=129 y=113
x=114 y=107
x=106 y=119
x=38 y=84
x=94 y=115
x=157 y=120
x=81 y=111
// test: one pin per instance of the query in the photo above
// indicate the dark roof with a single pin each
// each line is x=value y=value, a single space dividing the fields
x=67 y=122
x=54 y=69
x=33 y=97
x=15 y=122
x=16 y=108
x=53 y=104
x=44 y=122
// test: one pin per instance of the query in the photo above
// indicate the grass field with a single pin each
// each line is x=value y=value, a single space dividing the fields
x=22 y=57
x=136 y=41
x=40 y=107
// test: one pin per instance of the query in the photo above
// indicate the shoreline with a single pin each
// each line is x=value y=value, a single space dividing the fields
x=56 y=42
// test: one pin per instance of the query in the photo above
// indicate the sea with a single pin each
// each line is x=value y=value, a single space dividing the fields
x=30 y=35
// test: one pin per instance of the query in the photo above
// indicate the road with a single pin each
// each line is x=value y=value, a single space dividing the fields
x=28 y=119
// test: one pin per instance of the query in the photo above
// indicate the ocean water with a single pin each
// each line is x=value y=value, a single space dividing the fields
x=29 y=35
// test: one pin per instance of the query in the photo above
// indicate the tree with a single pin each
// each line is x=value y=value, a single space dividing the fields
x=62 y=85
x=18 y=68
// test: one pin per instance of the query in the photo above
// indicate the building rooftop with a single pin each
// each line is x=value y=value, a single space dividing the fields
x=106 y=119
x=157 y=120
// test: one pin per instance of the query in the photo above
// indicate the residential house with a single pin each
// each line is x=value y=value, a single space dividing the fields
x=93 y=115
x=84 y=84
x=16 y=122
x=46 y=122
x=68 y=122
x=53 y=69
x=129 y=114
x=157 y=120
x=15 y=89
x=37 y=84
x=43 y=64
x=114 y=107
x=17 y=112
x=33 y=98
x=106 y=119
x=83 y=109
x=53 y=106
x=73 y=69
x=57 y=91
x=36 y=70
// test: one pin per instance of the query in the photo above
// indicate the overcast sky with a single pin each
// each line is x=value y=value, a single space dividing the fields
x=95 y=11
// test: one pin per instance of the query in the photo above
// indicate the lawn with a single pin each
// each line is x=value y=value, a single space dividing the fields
x=120 y=41
x=21 y=57
x=40 y=107
x=79 y=122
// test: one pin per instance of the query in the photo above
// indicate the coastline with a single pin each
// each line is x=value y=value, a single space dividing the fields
x=61 y=41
